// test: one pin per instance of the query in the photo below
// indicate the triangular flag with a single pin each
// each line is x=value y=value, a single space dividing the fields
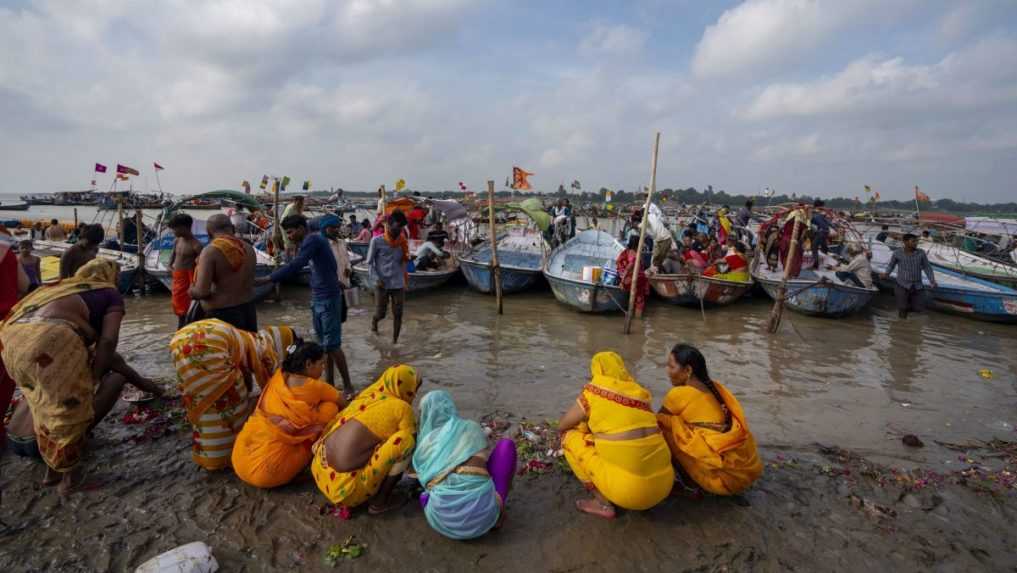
x=307 y=185
x=264 y=182
x=519 y=179
x=400 y=185
x=157 y=166
x=285 y=182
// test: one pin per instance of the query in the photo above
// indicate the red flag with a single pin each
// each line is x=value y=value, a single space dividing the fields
x=100 y=168
x=125 y=170
x=919 y=196
x=157 y=166
x=519 y=179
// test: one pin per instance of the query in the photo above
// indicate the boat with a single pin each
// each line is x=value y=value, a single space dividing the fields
x=955 y=293
x=815 y=292
x=14 y=207
x=417 y=280
x=564 y=272
x=953 y=259
x=520 y=258
x=51 y=251
x=358 y=247
x=689 y=289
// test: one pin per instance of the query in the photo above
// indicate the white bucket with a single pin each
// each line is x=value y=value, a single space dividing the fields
x=588 y=274
x=191 y=558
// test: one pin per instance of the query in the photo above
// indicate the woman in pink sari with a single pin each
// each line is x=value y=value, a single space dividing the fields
x=626 y=265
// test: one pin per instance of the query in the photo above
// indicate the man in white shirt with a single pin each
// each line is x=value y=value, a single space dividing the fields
x=661 y=235
x=858 y=271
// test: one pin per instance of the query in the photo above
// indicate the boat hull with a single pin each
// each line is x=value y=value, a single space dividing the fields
x=688 y=289
x=358 y=248
x=419 y=281
x=825 y=299
x=984 y=306
x=588 y=297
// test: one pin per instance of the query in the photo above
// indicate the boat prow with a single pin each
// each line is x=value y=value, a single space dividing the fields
x=564 y=272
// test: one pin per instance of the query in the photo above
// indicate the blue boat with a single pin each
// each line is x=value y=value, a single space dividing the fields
x=50 y=251
x=520 y=257
x=815 y=292
x=359 y=248
x=564 y=272
x=956 y=293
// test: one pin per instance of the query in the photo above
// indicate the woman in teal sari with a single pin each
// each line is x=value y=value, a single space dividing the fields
x=465 y=483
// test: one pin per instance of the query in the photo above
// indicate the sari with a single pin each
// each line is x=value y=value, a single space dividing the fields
x=384 y=409
x=733 y=267
x=51 y=363
x=794 y=264
x=626 y=265
x=723 y=461
x=635 y=473
x=462 y=502
x=265 y=455
x=211 y=358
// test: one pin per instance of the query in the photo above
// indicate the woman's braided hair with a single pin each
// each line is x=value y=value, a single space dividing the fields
x=688 y=355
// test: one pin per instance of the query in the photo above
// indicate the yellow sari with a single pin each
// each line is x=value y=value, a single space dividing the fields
x=49 y=361
x=632 y=474
x=384 y=409
x=211 y=358
x=722 y=461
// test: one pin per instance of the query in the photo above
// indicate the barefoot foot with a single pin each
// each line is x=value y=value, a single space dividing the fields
x=594 y=507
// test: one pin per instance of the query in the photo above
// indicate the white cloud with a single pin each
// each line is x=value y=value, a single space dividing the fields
x=614 y=40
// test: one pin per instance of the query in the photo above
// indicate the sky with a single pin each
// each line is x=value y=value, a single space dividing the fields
x=816 y=97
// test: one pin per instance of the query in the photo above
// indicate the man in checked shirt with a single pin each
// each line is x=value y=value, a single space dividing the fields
x=910 y=263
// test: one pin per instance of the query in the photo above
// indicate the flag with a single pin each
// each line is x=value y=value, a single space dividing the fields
x=264 y=182
x=608 y=196
x=519 y=179
x=868 y=189
x=246 y=185
x=125 y=170
x=576 y=185
x=919 y=196
x=876 y=196
x=121 y=177
x=157 y=166
x=400 y=185
x=462 y=186
x=307 y=185
x=100 y=168
x=768 y=191
x=285 y=182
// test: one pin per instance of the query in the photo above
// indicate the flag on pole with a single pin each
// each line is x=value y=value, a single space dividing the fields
x=919 y=196
x=121 y=177
x=125 y=170
x=307 y=185
x=285 y=182
x=519 y=179
x=246 y=185
x=868 y=189
x=157 y=166
x=400 y=185
x=576 y=185
x=462 y=186
x=264 y=182
x=100 y=168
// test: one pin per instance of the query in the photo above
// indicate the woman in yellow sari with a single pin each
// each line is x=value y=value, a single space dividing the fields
x=363 y=452
x=612 y=442
x=705 y=427
x=275 y=444
x=216 y=366
x=59 y=345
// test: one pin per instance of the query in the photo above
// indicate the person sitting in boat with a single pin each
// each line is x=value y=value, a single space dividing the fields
x=705 y=428
x=82 y=251
x=884 y=233
x=352 y=228
x=431 y=251
x=771 y=246
x=857 y=271
x=31 y=263
x=691 y=255
x=673 y=264
x=364 y=234
x=734 y=266
x=55 y=231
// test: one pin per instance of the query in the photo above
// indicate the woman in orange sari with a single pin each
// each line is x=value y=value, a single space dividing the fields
x=625 y=264
x=275 y=443
x=705 y=427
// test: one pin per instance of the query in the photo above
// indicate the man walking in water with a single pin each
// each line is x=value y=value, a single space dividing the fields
x=186 y=249
x=910 y=263
x=387 y=256
x=224 y=278
x=326 y=290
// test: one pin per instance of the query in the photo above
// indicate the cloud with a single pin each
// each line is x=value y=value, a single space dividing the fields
x=766 y=34
x=612 y=40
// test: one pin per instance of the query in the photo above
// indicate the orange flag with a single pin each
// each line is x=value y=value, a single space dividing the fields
x=519 y=179
x=919 y=196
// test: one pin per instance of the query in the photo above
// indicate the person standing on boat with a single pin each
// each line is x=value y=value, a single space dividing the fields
x=55 y=231
x=387 y=256
x=326 y=290
x=81 y=252
x=183 y=259
x=661 y=235
x=910 y=263
x=225 y=275
x=296 y=207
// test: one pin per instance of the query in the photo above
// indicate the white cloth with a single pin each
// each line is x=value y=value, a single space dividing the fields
x=861 y=267
x=427 y=247
x=342 y=260
x=655 y=224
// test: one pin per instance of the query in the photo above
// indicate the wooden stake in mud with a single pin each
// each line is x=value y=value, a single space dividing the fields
x=642 y=235
x=778 y=304
x=139 y=227
x=495 y=268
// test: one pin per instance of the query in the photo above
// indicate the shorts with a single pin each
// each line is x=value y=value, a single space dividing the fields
x=328 y=323
x=26 y=447
x=243 y=316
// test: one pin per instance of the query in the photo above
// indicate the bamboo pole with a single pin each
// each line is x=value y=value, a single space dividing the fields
x=495 y=267
x=75 y=217
x=778 y=304
x=139 y=227
x=642 y=234
x=276 y=232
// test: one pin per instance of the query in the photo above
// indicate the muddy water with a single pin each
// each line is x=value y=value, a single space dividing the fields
x=854 y=382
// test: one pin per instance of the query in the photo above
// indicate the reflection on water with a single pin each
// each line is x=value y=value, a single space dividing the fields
x=847 y=381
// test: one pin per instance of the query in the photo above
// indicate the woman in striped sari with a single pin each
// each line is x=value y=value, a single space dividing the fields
x=217 y=365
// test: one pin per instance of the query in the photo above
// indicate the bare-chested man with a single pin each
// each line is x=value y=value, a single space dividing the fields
x=184 y=259
x=55 y=231
x=82 y=251
x=224 y=279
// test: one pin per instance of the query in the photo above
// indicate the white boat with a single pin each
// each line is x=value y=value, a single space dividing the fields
x=564 y=272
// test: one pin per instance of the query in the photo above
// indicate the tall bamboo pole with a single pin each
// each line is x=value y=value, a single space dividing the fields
x=642 y=234
x=276 y=231
x=138 y=223
x=778 y=304
x=495 y=267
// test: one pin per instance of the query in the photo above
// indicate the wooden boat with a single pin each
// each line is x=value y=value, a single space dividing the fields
x=51 y=251
x=14 y=207
x=956 y=293
x=815 y=292
x=688 y=289
x=564 y=272
x=418 y=280
x=520 y=257
x=957 y=260
x=358 y=247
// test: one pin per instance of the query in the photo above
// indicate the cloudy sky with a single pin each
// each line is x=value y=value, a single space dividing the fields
x=807 y=96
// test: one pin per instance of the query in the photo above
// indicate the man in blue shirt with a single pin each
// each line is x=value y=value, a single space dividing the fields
x=326 y=291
